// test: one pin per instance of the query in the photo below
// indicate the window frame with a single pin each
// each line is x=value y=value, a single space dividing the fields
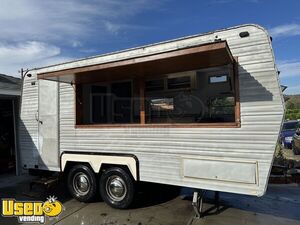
x=91 y=95
x=165 y=79
x=143 y=124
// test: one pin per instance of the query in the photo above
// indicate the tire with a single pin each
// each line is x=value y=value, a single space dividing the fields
x=82 y=183
x=294 y=149
x=117 y=187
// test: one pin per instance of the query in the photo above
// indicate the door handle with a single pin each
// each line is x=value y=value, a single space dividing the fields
x=37 y=118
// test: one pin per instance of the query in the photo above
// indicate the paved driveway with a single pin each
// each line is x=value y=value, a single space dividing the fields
x=160 y=204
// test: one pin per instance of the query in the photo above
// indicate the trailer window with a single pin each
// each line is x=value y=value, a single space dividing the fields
x=222 y=109
x=159 y=108
x=109 y=103
x=179 y=82
x=181 y=98
x=155 y=85
x=189 y=99
x=99 y=103
x=218 y=79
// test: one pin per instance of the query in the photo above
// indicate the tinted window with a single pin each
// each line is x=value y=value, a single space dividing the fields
x=179 y=103
x=155 y=85
x=290 y=126
x=179 y=82
x=222 y=109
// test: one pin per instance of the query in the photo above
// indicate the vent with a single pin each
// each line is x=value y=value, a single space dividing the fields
x=244 y=34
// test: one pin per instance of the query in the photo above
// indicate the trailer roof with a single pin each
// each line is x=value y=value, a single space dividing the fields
x=190 y=58
x=54 y=67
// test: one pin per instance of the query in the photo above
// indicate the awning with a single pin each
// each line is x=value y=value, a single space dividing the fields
x=192 y=58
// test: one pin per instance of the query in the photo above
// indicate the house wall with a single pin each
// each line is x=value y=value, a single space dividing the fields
x=10 y=92
x=226 y=159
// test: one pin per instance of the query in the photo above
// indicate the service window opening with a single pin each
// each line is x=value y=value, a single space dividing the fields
x=192 y=97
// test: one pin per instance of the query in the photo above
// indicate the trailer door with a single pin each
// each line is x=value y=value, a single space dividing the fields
x=48 y=125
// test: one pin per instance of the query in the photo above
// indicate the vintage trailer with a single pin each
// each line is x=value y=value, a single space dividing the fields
x=202 y=111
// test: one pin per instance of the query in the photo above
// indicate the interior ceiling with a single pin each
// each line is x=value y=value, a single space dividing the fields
x=203 y=56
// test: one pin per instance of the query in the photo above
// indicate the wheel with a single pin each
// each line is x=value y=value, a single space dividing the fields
x=293 y=149
x=82 y=183
x=117 y=187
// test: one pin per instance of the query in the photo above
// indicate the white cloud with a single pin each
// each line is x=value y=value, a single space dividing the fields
x=289 y=68
x=76 y=44
x=26 y=51
x=38 y=31
x=28 y=54
x=112 y=27
x=56 y=20
x=285 y=30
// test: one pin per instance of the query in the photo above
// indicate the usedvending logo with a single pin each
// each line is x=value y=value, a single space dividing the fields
x=32 y=211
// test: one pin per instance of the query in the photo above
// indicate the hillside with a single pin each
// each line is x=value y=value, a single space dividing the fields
x=292 y=107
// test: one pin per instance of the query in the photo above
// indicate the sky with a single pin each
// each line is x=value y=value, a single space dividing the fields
x=38 y=33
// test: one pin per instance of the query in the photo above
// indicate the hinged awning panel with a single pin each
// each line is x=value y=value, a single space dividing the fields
x=192 y=58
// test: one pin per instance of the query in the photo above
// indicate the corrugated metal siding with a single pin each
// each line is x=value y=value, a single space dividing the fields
x=160 y=150
x=28 y=126
x=9 y=85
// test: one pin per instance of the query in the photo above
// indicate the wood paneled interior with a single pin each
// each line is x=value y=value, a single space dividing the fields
x=237 y=93
x=142 y=101
x=139 y=91
x=78 y=104
x=140 y=68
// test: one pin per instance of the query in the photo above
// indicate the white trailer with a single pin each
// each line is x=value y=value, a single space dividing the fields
x=202 y=111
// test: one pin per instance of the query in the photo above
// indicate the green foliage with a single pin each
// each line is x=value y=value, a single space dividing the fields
x=279 y=158
x=292 y=107
x=292 y=114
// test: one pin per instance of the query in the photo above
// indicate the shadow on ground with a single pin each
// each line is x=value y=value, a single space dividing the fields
x=162 y=204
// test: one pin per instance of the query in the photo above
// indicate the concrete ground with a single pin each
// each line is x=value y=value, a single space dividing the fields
x=161 y=204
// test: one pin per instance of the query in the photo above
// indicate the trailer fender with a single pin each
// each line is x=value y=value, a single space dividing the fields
x=96 y=161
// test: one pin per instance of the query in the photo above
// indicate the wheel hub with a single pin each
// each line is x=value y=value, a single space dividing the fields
x=116 y=188
x=81 y=183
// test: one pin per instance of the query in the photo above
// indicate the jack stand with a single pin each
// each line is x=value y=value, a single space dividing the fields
x=217 y=201
x=198 y=202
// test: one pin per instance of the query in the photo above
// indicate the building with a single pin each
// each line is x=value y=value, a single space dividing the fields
x=10 y=91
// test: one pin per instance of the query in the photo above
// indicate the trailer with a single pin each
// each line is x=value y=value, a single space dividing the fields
x=202 y=111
